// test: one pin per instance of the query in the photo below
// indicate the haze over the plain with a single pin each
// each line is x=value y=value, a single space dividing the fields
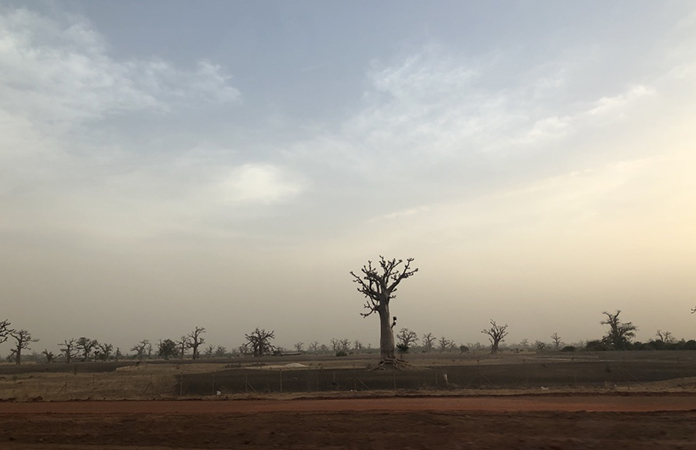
x=166 y=165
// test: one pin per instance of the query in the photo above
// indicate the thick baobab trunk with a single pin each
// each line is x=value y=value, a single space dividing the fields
x=386 y=338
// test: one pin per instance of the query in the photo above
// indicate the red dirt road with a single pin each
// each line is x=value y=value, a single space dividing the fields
x=634 y=403
x=482 y=423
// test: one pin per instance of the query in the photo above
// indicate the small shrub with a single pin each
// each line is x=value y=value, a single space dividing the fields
x=341 y=353
x=568 y=348
x=596 y=346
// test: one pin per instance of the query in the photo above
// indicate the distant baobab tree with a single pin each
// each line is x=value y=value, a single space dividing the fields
x=407 y=338
x=104 y=351
x=556 y=341
x=445 y=344
x=665 y=336
x=378 y=285
x=260 y=341
x=167 y=349
x=299 y=346
x=195 y=340
x=428 y=342
x=22 y=340
x=49 y=356
x=85 y=346
x=141 y=348
x=620 y=333
x=182 y=345
x=68 y=349
x=496 y=334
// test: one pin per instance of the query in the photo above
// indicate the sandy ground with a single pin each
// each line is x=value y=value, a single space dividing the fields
x=542 y=422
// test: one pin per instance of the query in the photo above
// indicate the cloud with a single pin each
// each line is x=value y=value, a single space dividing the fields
x=60 y=72
x=255 y=183
x=617 y=105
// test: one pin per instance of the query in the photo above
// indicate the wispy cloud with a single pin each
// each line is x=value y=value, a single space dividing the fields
x=60 y=71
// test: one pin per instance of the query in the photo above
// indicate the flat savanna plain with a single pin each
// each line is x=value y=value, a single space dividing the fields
x=636 y=400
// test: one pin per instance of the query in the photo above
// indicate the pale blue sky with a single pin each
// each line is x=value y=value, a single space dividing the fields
x=226 y=164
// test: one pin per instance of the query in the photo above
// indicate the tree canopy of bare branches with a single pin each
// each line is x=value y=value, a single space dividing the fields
x=496 y=334
x=407 y=337
x=260 y=341
x=379 y=284
x=665 y=336
x=445 y=344
x=4 y=330
x=620 y=333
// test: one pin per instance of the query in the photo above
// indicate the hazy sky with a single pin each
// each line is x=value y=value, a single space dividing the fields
x=166 y=165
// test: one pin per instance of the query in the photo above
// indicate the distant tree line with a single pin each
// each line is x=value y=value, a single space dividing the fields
x=620 y=336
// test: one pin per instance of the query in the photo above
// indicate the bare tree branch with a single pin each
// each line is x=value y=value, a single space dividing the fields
x=379 y=286
x=4 y=330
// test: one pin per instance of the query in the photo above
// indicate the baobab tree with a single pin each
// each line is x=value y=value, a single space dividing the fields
x=49 y=356
x=407 y=338
x=620 y=333
x=104 y=351
x=140 y=348
x=22 y=340
x=85 y=346
x=299 y=346
x=183 y=344
x=665 y=336
x=445 y=344
x=428 y=342
x=496 y=334
x=68 y=349
x=166 y=348
x=260 y=341
x=556 y=341
x=378 y=285
x=196 y=340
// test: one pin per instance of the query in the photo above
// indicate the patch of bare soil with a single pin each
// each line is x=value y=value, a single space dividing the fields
x=420 y=423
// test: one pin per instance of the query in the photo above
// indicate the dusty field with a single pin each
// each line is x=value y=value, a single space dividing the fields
x=318 y=375
x=548 y=422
